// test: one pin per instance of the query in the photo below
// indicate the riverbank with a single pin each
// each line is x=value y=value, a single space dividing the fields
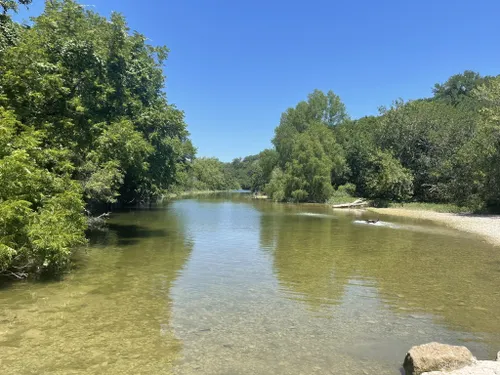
x=485 y=226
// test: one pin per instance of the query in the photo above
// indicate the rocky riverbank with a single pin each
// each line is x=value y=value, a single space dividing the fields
x=441 y=359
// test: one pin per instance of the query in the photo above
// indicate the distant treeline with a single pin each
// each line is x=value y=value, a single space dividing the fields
x=441 y=149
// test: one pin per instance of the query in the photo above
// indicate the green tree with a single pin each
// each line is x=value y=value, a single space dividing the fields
x=479 y=160
x=424 y=136
x=9 y=30
x=317 y=160
x=97 y=90
x=319 y=108
x=210 y=174
x=458 y=87
x=84 y=120
x=41 y=208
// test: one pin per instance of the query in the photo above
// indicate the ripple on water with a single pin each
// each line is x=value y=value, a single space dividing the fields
x=226 y=285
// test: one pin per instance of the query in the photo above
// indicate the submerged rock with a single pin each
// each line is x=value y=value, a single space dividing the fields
x=436 y=357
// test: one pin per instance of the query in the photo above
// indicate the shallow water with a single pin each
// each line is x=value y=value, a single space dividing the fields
x=227 y=285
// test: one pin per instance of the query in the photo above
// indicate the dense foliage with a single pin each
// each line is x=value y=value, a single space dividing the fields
x=441 y=149
x=205 y=174
x=84 y=121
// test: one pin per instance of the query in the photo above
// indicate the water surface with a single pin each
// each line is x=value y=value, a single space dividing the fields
x=227 y=285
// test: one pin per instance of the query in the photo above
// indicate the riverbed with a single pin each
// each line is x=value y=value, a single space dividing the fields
x=228 y=285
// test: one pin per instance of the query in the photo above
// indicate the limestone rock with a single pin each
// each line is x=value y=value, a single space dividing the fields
x=436 y=357
x=479 y=368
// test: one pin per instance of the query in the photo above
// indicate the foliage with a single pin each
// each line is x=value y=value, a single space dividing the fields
x=317 y=160
x=478 y=162
x=386 y=178
x=275 y=189
x=7 y=5
x=40 y=206
x=84 y=121
x=443 y=149
x=343 y=194
x=425 y=136
x=459 y=87
x=9 y=30
x=209 y=174
x=254 y=171
x=96 y=90
x=319 y=108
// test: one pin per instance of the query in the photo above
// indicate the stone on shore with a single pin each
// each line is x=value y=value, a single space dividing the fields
x=437 y=357
x=479 y=368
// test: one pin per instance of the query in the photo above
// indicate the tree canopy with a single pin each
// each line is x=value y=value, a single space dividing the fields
x=85 y=122
x=438 y=149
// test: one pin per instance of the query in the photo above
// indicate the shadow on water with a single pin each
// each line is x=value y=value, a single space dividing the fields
x=111 y=315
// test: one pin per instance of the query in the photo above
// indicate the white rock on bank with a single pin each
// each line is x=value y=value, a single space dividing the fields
x=479 y=368
x=436 y=357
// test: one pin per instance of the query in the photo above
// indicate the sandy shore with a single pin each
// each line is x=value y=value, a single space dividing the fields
x=486 y=226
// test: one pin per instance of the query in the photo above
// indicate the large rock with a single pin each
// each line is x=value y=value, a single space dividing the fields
x=479 y=368
x=436 y=357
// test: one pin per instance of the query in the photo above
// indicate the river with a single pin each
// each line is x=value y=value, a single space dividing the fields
x=228 y=285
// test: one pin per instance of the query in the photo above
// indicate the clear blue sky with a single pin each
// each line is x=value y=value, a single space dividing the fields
x=236 y=65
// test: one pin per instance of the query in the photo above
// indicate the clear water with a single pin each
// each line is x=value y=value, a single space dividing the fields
x=227 y=285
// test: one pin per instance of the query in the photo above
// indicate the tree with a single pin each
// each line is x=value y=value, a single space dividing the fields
x=41 y=208
x=479 y=160
x=9 y=30
x=319 y=108
x=97 y=91
x=8 y=5
x=210 y=174
x=84 y=121
x=317 y=160
x=424 y=136
x=458 y=87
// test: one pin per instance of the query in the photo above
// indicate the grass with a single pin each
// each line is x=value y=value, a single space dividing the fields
x=436 y=207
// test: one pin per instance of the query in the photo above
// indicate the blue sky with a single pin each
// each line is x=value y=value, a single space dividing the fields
x=236 y=65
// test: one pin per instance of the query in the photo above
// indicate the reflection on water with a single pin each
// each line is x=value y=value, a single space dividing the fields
x=111 y=315
x=227 y=285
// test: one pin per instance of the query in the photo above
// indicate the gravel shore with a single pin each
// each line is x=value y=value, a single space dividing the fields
x=486 y=226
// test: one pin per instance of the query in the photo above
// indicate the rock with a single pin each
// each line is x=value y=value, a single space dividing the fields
x=479 y=368
x=436 y=357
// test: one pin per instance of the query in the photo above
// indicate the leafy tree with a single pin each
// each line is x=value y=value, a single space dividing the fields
x=8 y=5
x=40 y=206
x=275 y=189
x=317 y=160
x=262 y=168
x=210 y=174
x=9 y=30
x=479 y=160
x=458 y=87
x=96 y=90
x=83 y=120
x=386 y=178
x=424 y=136
x=319 y=108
